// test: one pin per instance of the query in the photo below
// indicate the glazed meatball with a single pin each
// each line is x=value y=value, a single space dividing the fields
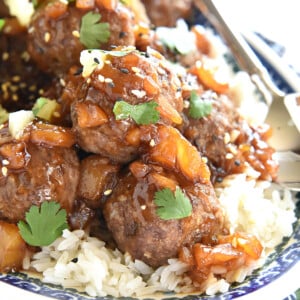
x=55 y=27
x=131 y=213
x=32 y=173
x=133 y=78
x=167 y=12
x=230 y=144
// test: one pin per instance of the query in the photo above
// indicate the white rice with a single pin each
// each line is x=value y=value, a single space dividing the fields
x=78 y=261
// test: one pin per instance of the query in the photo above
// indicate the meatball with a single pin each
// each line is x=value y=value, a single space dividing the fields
x=128 y=76
x=167 y=12
x=32 y=173
x=230 y=144
x=53 y=33
x=131 y=213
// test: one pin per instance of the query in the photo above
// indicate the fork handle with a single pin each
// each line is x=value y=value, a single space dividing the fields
x=243 y=54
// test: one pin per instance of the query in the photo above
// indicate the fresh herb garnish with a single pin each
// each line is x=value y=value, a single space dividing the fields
x=44 y=108
x=34 y=3
x=92 y=32
x=2 y=23
x=142 y=114
x=199 y=107
x=172 y=205
x=44 y=224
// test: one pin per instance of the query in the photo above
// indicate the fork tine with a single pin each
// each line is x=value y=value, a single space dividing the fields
x=289 y=170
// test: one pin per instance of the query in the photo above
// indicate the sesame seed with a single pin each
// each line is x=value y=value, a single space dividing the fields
x=25 y=56
x=152 y=143
x=219 y=179
x=140 y=75
x=204 y=159
x=88 y=81
x=32 y=88
x=16 y=78
x=198 y=64
x=30 y=29
x=160 y=71
x=108 y=62
x=124 y=70
x=232 y=149
x=15 y=97
x=74 y=260
x=226 y=138
x=5 y=56
x=5 y=162
x=47 y=37
x=163 y=64
x=76 y=33
x=107 y=192
x=138 y=94
x=135 y=69
x=108 y=80
x=14 y=88
x=143 y=207
x=62 y=82
x=4 y=171
x=101 y=78
x=122 y=34
x=234 y=135
x=96 y=60
x=237 y=162
x=186 y=104
x=229 y=156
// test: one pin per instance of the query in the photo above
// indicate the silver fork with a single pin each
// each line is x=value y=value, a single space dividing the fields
x=289 y=170
x=285 y=137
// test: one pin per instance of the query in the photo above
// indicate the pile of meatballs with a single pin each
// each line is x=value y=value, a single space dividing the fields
x=105 y=171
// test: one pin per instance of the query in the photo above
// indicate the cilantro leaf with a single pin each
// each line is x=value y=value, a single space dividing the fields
x=172 y=205
x=142 y=114
x=93 y=33
x=44 y=224
x=199 y=107
x=2 y=23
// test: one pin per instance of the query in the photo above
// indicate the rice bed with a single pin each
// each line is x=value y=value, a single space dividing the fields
x=79 y=261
